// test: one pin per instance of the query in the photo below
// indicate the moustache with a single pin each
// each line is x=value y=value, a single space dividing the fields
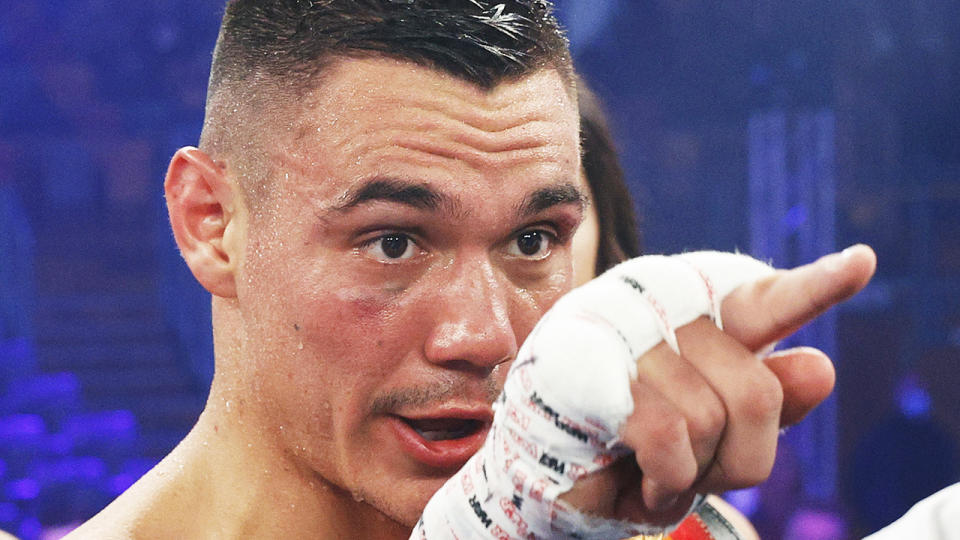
x=424 y=395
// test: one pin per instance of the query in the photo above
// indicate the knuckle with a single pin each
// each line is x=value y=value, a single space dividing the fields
x=675 y=474
x=744 y=473
x=679 y=480
x=685 y=476
x=667 y=433
x=708 y=422
x=762 y=399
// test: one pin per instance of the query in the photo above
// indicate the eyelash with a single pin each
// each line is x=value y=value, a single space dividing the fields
x=552 y=238
x=372 y=242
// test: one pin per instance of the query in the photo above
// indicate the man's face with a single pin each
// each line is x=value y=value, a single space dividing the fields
x=416 y=229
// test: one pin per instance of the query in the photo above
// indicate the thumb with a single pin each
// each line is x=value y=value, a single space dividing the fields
x=769 y=309
x=807 y=377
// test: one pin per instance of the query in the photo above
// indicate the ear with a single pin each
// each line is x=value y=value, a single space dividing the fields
x=203 y=215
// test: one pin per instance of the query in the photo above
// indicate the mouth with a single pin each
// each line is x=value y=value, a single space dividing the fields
x=444 y=441
x=444 y=429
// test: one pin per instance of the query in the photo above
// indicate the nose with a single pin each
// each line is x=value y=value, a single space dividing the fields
x=472 y=329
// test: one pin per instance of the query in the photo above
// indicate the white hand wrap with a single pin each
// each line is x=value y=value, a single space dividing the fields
x=568 y=394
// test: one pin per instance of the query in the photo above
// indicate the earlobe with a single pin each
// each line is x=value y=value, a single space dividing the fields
x=201 y=205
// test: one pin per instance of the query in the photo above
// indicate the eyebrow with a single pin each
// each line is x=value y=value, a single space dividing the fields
x=424 y=197
x=419 y=196
x=551 y=196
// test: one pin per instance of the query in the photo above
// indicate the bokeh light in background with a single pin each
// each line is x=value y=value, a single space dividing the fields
x=104 y=337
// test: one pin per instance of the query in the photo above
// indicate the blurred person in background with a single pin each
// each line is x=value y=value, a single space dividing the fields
x=935 y=518
x=610 y=235
x=908 y=454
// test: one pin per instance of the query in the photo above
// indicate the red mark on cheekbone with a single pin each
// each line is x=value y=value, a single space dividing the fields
x=368 y=303
x=367 y=307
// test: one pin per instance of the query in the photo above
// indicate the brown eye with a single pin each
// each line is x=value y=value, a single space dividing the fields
x=394 y=245
x=532 y=245
x=529 y=243
x=391 y=247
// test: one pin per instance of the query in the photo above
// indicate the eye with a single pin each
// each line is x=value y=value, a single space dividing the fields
x=391 y=247
x=534 y=245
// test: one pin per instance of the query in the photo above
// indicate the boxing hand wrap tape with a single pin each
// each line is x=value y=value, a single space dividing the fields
x=568 y=394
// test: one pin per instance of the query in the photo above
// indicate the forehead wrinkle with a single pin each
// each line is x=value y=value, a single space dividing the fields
x=478 y=116
x=511 y=130
x=478 y=160
x=439 y=137
x=500 y=119
x=435 y=132
x=450 y=139
x=520 y=133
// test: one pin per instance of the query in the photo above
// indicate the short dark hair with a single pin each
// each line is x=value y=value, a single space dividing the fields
x=616 y=218
x=271 y=52
x=481 y=41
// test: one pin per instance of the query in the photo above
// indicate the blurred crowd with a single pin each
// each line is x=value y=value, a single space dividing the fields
x=96 y=95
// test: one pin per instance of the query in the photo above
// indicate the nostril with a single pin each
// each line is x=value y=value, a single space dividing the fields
x=473 y=368
x=483 y=344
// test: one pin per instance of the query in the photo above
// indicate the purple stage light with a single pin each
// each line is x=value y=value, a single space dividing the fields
x=26 y=489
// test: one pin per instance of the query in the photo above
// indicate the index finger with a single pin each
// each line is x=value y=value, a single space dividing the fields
x=769 y=309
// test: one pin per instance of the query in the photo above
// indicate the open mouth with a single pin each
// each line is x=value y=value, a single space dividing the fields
x=443 y=442
x=444 y=429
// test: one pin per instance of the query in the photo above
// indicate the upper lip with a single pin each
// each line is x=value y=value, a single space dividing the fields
x=481 y=412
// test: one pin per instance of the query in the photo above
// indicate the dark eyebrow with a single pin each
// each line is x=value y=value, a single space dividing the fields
x=551 y=196
x=420 y=196
x=425 y=197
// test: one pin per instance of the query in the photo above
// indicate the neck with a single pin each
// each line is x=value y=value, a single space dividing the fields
x=222 y=480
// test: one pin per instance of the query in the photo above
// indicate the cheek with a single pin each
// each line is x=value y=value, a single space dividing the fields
x=360 y=331
x=339 y=348
x=371 y=309
x=530 y=304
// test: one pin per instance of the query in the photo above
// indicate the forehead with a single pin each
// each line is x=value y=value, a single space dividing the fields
x=370 y=117
x=388 y=81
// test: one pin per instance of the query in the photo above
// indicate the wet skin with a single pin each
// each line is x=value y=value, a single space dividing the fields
x=417 y=228
x=365 y=311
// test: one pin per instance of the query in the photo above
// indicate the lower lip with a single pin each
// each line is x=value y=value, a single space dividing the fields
x=448 y=454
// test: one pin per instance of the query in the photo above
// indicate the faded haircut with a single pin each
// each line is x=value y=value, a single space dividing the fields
x=270 y=53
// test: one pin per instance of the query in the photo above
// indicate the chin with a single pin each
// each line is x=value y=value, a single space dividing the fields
x=405 y=506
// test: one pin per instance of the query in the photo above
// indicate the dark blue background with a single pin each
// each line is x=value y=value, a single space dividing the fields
x=104 y=341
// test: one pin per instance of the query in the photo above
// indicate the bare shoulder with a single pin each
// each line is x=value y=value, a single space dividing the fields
x=152 y=508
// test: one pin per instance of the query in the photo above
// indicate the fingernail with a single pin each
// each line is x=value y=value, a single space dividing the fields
x=847 y=253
